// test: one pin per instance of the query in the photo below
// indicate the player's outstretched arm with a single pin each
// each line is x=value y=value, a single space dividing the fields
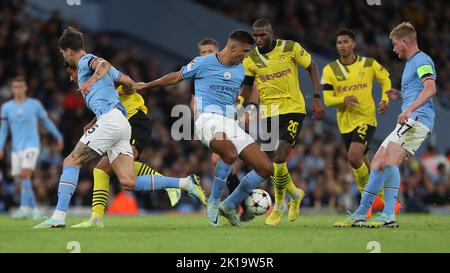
x=101 y=67
x=167 y=80
x=429 y=90
x=317 y=107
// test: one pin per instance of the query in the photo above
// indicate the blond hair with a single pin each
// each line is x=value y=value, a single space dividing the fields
x=404 y=30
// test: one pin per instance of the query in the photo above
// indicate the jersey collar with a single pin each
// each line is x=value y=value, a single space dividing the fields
x=272 y=46
x=354 y=61
x=414 y=55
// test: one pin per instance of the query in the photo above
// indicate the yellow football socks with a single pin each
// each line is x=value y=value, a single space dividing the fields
x=361 y=176
x=101 y=193
x=283 y=183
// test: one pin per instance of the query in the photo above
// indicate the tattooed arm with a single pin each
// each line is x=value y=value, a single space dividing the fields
x=100 y=67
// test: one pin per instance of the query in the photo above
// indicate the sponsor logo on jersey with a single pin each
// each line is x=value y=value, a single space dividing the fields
x=275 y=75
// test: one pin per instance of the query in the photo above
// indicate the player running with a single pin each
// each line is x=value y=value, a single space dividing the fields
x=414 y=125
x=110 y=134
x=205 y=47
x=347 y=84
x=273 y=63
x=21 y=115
x=141 y=131
x=218 y=79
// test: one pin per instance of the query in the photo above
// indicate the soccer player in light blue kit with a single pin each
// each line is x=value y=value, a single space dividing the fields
x=110 y=134
x=414 y=125
x=218 y=80
x=21 y=115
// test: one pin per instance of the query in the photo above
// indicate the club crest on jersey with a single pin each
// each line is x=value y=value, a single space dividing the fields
x=362 y=74
x=227 y=75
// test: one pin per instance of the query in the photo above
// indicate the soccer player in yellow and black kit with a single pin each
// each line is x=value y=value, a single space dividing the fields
x=347 y=84
x=273 y=64
x=141 y=131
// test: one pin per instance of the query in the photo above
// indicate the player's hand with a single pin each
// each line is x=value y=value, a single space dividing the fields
x=318 y=109
x=350 y=101
x=403 y=117
x=393 y=94
x=139 y=86
x=59 y=145
x=382 y=107
x=85 y=86
x=2 y=154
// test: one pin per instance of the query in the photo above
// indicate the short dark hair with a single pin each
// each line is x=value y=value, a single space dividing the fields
x=262 y=22
x=19 y=79
x=71 y=38
x=348 y=32
x=208 y=41
x=242 y=36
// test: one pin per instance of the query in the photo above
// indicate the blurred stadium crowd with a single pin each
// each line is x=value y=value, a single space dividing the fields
x=302 y=21
x=28 y=47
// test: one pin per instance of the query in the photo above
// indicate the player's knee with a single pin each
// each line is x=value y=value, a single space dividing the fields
x=128 y=181
x=377 y=163
x=230 y=156
x=354 y=160
x=282 y=152
x=128 y=184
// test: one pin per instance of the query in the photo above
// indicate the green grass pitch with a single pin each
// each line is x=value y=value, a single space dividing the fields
x=191 y=233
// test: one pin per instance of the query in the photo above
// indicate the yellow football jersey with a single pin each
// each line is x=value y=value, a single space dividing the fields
x=355 y=79
x=132 y=103
x=276 y=75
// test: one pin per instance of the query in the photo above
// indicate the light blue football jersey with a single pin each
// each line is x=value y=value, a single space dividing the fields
x=102 y=96
x=22 y=120
x=217 y=85
x=417 y=69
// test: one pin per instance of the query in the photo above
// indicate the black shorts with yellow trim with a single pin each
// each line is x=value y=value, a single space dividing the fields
x=361 y=134
x=289 y=126
x=141 y=130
